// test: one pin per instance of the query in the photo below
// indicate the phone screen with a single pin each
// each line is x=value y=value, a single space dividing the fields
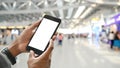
x=43 y=34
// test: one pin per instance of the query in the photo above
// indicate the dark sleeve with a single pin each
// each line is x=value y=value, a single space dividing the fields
x=4 y=61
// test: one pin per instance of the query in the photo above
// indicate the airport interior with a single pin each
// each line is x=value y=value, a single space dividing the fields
x=88 y=35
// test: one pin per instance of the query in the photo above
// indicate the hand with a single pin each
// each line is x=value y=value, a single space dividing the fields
x=42 y=61
x=25 y=36
x=20 y=44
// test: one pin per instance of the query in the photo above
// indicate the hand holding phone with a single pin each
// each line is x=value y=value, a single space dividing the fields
x=45 y=31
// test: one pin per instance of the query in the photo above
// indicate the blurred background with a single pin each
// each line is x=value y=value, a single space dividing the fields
x=89 y=35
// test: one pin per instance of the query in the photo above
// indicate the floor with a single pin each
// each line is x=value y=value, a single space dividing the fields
x=78 y=53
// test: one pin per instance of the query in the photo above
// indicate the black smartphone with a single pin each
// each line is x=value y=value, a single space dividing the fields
x=44 y=32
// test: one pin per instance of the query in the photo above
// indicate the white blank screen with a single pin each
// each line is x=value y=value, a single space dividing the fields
x=43 y=34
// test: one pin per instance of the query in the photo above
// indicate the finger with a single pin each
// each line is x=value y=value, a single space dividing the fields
x=54 y=37
x=56 y=33
x=50 y=56
x=49 y=50
x=32 y=54
x=34 y=25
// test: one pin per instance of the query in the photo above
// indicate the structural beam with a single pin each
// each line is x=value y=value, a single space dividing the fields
x=5 y=6
x=39 y=10
x=105 y=2
x=60 y=4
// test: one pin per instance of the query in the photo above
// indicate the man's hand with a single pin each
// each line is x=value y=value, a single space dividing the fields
x=20 y=44
x=42 y=61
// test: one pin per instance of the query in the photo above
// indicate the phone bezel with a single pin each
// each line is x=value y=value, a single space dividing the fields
x=37 y=51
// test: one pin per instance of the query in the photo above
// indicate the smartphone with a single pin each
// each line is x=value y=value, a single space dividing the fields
x=44 y=32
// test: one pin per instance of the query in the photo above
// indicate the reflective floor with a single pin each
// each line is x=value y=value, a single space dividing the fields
x=82 y=53
x=79 y=53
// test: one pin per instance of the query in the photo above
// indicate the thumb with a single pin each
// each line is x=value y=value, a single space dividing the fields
x=48 y=50
x=32 y=54
x=34 y=25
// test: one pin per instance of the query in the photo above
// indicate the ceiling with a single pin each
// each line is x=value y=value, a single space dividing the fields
x=72 y=12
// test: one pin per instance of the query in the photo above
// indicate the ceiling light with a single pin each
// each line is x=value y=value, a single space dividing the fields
x=70 y=0
x=100 y=1
x=93 y=5
x=30 y=3
x=3 y=27
x=79 y=11
x=118 y=3
x=86 y=12
x=83 y=2
x=71 y=25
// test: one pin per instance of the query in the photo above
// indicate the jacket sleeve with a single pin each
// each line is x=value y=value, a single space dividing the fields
x=4 y=61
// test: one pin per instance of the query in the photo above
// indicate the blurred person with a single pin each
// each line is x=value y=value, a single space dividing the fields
x=111 y=38
x=15 y=32
x=103 y=35
x=7 y=37
x=72 y=35
x=69 y=36
x=8 y=54
x=2 y=33
x=60 y=39
x=103 y=28
x=117 y=41
x=1 y=36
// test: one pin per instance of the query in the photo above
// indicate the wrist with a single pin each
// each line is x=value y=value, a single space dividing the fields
x=14 y=48
x=11 y=58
